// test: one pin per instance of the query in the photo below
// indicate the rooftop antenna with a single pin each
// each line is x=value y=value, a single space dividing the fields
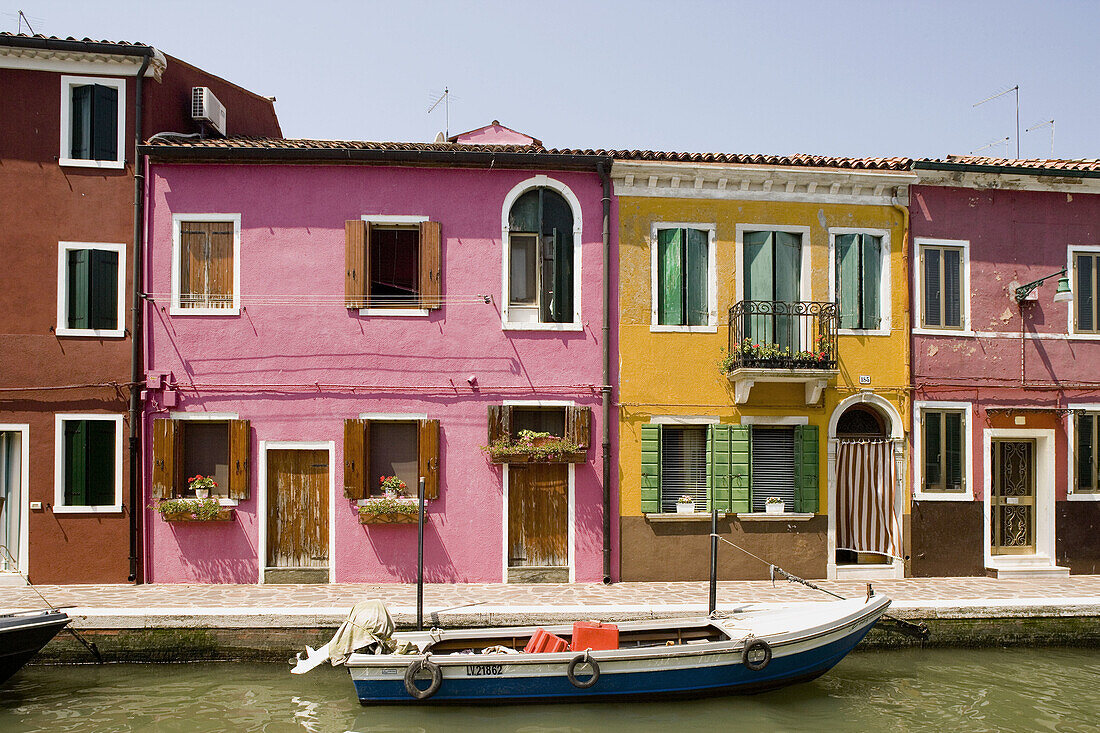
x=445 y=98
x=1044 y=124
x=24 y=19
x=1001 y=94
x=1004 y=140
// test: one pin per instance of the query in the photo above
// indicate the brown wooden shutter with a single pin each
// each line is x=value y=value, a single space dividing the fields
x=166 y=458
x=356 y=437
x=356 y=263
x=428 y=445
x=578 y=425
x=220 y=282
x=500 y=423
x=240 y=458
x=431 y=283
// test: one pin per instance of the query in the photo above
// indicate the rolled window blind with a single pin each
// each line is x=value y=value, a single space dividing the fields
x=772 y=466
x=683 y=466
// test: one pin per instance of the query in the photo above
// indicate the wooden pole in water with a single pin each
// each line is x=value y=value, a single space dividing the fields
x=420 y=556
x=713 y=556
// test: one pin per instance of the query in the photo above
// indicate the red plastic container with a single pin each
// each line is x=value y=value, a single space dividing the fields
x=543 y=642
x=595 y=636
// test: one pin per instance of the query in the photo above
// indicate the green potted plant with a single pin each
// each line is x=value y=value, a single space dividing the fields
x=201 y=485
x=774 y=505
x=685 y=505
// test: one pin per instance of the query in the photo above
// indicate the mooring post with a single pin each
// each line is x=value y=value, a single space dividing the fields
x=420 y=556
x=713 y=557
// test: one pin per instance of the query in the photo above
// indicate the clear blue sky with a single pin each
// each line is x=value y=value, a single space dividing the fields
x=833 y=78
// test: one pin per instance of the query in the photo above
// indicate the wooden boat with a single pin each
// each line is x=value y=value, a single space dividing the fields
x=751 y=649
x=23 y=634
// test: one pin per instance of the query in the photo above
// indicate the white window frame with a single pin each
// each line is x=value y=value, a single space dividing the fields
x=67 y=84
x=1072 y=250
x=59 y=506
x=804 y=288
x=209 y=417
x=175 y=309
x=386 y=220
x=964 y=286
x=885 y=321
x=712 y=280
x=1071 y=444
x=63 y=249
x=540 y=181
x=967 y=408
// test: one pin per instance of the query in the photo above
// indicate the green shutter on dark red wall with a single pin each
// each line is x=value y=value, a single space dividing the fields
x=103 y=290
x=806 y=471
x=101 y=462
x=651 y=469
x=80 y=123
x=104 y=123
x=79 y=265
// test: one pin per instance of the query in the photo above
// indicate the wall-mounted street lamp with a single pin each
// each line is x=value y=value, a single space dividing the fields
x=1062 y=295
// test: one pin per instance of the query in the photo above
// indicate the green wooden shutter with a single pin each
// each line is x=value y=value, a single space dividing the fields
x=952 y=451
x=930 y=262
x=1084 y=449
x=719 y=452
x=563 y=277
x=100 y=473
x=740 y=468
x=871 y=255
x=670 y=277
x=806 y=468
x=79 y=262
x=932 y=433
x=847 y=279
x=651 y=469
x=104 y=123
x=76 y=462
x=952 y=287
x=103 y=290
x=80 y=128
x=696 y=305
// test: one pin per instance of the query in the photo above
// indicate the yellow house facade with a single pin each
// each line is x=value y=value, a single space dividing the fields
x=763 y=342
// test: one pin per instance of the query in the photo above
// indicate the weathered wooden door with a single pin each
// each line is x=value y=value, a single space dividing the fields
x=538 y=515
x=1012 y=499
x=297 y=508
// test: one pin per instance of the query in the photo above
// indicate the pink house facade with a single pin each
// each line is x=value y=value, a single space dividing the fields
x=322 y=316
x=1005 y=374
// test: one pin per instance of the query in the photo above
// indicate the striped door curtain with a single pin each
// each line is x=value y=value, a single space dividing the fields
x=866 y=517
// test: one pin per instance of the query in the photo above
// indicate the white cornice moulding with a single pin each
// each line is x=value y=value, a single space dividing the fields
x=77 y=62
x=762 y=183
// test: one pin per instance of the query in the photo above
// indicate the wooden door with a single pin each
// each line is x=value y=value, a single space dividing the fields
x=1012 y=498
x=297 y=508
x=538 y=515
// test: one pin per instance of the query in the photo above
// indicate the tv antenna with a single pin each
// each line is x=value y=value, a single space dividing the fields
x=445 y=98
x=1044 y=124
x=1001 y=141
x=22 y=18
x=1001 y=94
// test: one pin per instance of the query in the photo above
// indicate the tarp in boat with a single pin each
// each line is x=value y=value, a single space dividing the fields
x=368 y=622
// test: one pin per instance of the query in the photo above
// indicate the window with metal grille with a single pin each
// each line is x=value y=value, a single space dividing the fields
x=942 y=282
x=944 y=450
x=683 y=465
x=1087 y=479
x=772 y=466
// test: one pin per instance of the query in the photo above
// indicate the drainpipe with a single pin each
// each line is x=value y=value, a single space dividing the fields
x=605 y=390
x=895 y=201
x=137 y=380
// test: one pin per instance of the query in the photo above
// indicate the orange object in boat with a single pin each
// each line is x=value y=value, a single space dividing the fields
x=543 y=642
x=595 y=636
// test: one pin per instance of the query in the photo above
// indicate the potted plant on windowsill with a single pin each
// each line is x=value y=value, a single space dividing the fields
x=535 y=447
x=193 y=510
x=774 y=505
x=685 y=505
x=393 y=507
x=201 y=485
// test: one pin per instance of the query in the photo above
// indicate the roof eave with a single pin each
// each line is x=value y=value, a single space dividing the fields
x=933 y=165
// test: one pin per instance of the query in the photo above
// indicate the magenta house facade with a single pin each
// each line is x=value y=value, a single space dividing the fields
x=323 y=317
x=1006 y=369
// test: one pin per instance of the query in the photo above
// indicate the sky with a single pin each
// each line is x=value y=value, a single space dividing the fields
x=828 y=78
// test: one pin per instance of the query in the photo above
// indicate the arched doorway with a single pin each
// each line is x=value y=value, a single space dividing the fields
x=867 y=510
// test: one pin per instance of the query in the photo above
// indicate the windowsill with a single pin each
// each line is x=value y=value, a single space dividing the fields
x=1082 y=496
x=176 y=310
x=654 y=328
x=1083 y=336
x=922 y=331
x=677 y=517
x=517 y=326
x=91 y=332
x=784 y=517
x=942 y=496
x=87 y=509
x=863 y=332
x=222 y=500
x=395 y=312
x=82 y=163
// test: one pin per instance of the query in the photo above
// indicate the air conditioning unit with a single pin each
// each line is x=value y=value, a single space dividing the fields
x=205 y=107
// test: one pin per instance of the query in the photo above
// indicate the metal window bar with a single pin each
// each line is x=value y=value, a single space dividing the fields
x=783 y=335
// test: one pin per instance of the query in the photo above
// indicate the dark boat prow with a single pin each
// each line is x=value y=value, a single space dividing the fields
x=23 y=634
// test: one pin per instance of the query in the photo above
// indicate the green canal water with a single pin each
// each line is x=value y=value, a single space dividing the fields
x=913 y=690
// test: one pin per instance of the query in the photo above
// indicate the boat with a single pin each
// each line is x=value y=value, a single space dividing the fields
x=750 y=649
x=23 y=634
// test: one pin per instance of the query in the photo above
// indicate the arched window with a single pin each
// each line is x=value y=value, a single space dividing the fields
x=860 y=421
x=540 y=258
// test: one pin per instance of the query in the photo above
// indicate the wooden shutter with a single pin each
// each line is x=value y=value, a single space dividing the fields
x=651 y=469
x=103 y=290
x=78 y=277
x=806 y=468
x=100 y=474
x=428 y=449
x=740 y=457
x=76 y=463
x=696 y=269
x=356 y=263
x=219 y=287
x=356 y=434
x=431 y=270
x=240 y=458
x=80 y=144
x=166 y=458
x=871 y=273
x=670 y=286
x=105 y=122
x=719 y=452
x=500 y=423
x=578 y=426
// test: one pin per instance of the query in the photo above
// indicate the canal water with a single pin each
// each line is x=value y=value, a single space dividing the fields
x=912 y=690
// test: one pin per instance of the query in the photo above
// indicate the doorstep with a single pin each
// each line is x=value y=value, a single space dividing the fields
x=870 y=571
x=1025 y=566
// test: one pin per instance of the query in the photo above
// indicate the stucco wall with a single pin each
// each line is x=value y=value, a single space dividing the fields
x=292 y=243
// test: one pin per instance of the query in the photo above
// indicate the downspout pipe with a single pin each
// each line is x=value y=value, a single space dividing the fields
x=137 y=380
x=605 y=390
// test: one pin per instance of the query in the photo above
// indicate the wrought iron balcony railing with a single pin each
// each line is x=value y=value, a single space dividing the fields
x=767 y=334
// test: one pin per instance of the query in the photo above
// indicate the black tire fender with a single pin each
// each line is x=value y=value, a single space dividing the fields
x=571 y=671
x=756 y=655
x=410 y=679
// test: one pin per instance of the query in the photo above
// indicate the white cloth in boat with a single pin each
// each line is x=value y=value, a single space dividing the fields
x=368 y=622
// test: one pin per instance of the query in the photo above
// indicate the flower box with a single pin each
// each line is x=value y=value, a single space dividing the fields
x=519 y=456
x=372 y=517
x=193 y=510
x=685 y=508
x=225 y=514
x=775 y=507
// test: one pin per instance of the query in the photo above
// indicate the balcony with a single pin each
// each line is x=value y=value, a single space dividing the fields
x=776 y=341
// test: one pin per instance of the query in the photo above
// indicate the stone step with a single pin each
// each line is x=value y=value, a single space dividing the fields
x=1030 y=571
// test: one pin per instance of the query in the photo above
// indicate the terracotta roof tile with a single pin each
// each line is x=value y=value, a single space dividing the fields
x=4 y=35
x=1083 y=164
